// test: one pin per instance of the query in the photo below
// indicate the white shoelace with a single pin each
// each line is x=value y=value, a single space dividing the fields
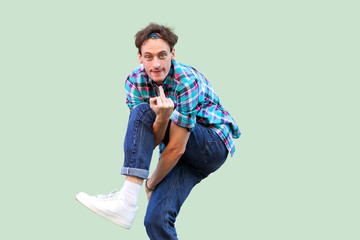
x=115 y=194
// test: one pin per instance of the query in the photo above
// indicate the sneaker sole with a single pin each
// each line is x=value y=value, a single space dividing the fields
x=81 y=197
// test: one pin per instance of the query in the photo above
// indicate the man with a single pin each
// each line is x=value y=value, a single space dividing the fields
x=174 y=106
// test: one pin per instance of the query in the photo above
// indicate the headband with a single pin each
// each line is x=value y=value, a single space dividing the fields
x=154 y=36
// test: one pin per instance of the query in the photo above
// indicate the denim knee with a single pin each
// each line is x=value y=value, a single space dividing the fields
x=138 y=109
x=144 y=113
x=152 y=221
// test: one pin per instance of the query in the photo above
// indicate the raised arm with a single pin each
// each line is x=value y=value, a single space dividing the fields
x=163 y=108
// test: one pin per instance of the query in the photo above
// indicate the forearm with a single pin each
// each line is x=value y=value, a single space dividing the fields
x=159 y=128
x=168 y=160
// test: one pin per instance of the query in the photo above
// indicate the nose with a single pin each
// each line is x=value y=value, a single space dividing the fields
x=156 y=63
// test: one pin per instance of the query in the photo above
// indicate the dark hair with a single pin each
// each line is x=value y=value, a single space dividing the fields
x=165 y=32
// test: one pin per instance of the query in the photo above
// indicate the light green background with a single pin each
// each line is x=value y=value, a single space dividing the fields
x=288 y=72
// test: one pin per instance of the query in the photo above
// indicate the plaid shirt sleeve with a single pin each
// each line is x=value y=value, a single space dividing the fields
x=133 y=97
x=185 y=112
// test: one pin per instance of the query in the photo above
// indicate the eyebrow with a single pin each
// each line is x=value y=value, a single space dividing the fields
x=157 y=53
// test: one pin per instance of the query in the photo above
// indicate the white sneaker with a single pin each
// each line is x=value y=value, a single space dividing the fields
x=112 y=207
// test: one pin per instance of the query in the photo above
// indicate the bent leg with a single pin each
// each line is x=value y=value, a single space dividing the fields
x=139 y=142
x=205 y=153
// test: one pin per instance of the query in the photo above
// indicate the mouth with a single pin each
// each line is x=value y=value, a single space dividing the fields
x=157 y=71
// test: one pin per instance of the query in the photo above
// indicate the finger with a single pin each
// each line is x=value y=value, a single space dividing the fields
x=170 y=102
x=153 y=101
x=159 y=100
x=162 y=94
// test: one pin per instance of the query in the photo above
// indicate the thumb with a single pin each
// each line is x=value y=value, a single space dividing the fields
x=153 y=101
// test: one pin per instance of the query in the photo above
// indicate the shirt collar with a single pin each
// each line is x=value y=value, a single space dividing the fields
x=170 y=76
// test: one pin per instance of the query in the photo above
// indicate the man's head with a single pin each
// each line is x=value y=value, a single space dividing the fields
x=155 y=45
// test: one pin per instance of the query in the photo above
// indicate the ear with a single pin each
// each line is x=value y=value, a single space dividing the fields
x=140 y=58
x=173 y=54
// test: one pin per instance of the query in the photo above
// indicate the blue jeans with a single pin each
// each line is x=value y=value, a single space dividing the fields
x=205 y=152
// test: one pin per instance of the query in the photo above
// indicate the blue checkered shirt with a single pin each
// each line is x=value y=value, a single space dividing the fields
x=195 y=100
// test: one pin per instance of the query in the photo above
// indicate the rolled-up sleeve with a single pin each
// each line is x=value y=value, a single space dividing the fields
x=185 y=112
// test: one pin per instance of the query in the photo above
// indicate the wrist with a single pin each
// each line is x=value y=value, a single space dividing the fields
x=161 y=119
x=148 y=186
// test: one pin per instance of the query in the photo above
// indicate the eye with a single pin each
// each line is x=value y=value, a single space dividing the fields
x=148 y=57
x=162 y=55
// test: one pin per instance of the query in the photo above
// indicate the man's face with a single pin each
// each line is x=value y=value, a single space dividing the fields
x=156 y=57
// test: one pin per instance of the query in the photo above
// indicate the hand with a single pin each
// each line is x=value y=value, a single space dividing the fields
x=148 y=194
x=162 y=106
x=147 y=190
